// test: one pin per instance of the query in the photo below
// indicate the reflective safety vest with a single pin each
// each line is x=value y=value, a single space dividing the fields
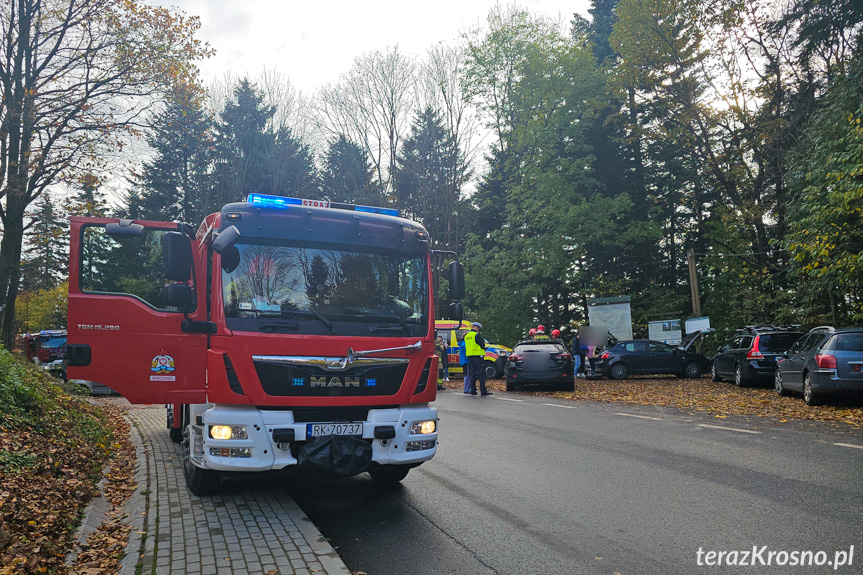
x=471 y=347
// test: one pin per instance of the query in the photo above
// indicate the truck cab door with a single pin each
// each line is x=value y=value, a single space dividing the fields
x=123 y=330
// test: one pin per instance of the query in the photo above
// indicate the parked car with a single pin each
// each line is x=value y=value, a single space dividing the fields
x=538 y=362
x=452 y=332
x=750 y=355
x=826 y=360
x=645 y=356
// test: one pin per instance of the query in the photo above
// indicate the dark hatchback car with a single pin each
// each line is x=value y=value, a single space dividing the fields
x=822 y=362
x=645 y=356
x=540 y=362
x=751 y=354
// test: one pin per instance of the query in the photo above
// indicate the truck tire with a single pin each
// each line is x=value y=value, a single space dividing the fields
x=388 y=475
x=199 y=481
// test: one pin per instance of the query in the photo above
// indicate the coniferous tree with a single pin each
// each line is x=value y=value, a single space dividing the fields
x=250 y=156
x=88 y=201
x=175 y=185
x=348 y=176
x=46 y=252
x=241 y=164
x=430 y=177
x=293 y=168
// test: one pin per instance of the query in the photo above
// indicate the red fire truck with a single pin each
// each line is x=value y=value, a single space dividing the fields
x=284 y=332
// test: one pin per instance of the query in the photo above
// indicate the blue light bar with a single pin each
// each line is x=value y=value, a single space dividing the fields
x=267 y=201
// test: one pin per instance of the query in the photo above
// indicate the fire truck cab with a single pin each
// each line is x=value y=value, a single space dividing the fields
x=283 y=332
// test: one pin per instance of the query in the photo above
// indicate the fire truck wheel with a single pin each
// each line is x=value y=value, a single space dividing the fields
x=199 y=481
x=388 y=474
x=176 y=435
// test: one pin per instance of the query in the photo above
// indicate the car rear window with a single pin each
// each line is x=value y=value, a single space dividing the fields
x=849 y=342
x=777 y=342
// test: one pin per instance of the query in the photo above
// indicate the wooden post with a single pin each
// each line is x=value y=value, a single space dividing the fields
x=693 y=283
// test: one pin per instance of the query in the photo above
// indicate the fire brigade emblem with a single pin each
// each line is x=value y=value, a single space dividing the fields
x=162 y=363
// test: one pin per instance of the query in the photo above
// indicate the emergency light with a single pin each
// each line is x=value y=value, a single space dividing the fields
x=268 y=201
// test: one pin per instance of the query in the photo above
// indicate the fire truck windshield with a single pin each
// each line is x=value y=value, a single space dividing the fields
x=309 y=290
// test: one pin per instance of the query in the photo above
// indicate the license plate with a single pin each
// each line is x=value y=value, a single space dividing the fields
x=320 y=429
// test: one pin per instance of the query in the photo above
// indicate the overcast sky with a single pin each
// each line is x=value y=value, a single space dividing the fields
x=312 y=42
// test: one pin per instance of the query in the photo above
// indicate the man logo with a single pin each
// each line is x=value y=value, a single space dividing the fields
x=335 y=381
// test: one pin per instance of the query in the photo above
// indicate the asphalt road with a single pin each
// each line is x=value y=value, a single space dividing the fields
x=528 y=485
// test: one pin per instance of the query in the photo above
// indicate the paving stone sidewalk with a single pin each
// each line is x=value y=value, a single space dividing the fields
x=254 y=531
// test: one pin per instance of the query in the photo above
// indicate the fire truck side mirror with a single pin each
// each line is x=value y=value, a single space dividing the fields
x=224 y=246
x=456 y=281
x=226 y=239
x=179 y=296
x=177 y=257
x=456 y=311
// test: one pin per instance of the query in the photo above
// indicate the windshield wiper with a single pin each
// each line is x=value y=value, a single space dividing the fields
x=312 y=313
x=272 y=327
x=386 y=317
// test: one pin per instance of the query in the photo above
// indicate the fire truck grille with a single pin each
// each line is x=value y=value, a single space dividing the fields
x=311 y=381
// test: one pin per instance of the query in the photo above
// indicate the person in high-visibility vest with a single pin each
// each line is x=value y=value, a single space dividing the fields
x=474 y=346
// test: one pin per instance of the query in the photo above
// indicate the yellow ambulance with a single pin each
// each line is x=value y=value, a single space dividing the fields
x=495 y=355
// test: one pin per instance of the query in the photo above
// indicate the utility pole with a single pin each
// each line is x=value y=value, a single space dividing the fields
x=693 y=283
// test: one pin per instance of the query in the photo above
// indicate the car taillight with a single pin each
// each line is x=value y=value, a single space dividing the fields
x=44 y=355
x=514 y=358
x=825 y=361
x=605 y=355
x=561 y=356
x=755 y=353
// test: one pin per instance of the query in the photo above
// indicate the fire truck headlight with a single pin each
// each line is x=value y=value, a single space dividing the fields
x=423 y=427
x=228 y=432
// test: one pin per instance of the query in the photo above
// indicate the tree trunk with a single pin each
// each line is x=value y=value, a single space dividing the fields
x=10 y=271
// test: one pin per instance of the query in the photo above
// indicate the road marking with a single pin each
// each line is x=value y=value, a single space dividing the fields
x=559 y=405
x=849 y=445
x=639 y=416
x=738 y=430
x=508 y=399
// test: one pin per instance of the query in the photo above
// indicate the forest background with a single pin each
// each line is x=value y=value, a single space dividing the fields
x=563 y=161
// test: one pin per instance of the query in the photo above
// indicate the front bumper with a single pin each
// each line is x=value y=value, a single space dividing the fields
x=266 y=454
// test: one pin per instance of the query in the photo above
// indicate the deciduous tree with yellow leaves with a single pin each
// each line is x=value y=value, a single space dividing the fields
x=77 y=77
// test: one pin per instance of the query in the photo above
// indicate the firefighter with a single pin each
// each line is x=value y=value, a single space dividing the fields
x=474 y=345
x=532 y=333
x=540 y=333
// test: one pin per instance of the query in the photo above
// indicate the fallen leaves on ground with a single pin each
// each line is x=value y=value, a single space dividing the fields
x=103 y=550
x=705 y=396
x=52 y=452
